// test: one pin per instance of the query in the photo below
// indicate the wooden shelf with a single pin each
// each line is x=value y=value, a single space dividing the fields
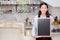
x=8 y=5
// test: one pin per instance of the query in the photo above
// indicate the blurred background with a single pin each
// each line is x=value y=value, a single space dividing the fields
x=16 y=18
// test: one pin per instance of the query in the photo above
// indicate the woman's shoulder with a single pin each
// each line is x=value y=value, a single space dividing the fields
x=51 y=16
x=36 y=17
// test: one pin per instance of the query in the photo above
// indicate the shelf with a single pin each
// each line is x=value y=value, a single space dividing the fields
x=8 y=5
x=7 y=2
x=19 y=4
x=15 y=3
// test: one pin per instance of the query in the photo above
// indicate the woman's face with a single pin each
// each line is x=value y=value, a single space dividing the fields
x=43 y=9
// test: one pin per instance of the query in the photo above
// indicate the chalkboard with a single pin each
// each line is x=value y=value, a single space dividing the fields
x=43 y=27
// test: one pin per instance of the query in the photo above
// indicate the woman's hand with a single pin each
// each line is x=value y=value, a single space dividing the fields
x=41 y=36
x=36 y=36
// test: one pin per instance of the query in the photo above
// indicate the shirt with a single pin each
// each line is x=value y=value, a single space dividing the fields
x=34 y=29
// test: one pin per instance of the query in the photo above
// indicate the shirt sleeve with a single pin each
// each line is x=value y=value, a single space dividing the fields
x=34 y=27
x=51 y=20
x=51 y=25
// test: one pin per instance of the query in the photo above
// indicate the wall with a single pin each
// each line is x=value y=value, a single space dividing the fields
x=54 y=3
x=56 y=11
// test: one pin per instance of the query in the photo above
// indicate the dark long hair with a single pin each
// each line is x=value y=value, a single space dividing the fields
x=47 y=13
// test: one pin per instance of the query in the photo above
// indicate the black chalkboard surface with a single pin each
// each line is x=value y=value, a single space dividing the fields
x=43 y=27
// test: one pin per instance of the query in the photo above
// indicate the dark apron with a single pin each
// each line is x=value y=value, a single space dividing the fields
x=44 y=38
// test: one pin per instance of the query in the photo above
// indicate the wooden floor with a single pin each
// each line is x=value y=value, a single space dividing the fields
x=15 y=34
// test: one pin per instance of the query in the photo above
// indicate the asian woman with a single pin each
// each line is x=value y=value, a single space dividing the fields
x=43 y=13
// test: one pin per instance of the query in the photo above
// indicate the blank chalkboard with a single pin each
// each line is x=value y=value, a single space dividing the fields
x=43 y=27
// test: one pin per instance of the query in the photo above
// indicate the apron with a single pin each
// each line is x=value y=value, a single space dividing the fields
x=44 y=38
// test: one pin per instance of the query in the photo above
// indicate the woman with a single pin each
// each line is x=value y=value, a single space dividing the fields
x=43 y=13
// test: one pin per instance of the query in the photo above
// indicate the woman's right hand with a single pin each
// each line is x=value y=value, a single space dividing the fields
x=36 y=36
x=41 y=36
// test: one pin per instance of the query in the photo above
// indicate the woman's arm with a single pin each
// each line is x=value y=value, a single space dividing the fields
x=34 y=28
x=51 y=20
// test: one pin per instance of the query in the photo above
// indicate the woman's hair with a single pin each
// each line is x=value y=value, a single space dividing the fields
x=47 y=13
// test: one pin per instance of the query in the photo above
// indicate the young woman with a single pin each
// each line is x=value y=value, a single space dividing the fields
x=43 y=13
